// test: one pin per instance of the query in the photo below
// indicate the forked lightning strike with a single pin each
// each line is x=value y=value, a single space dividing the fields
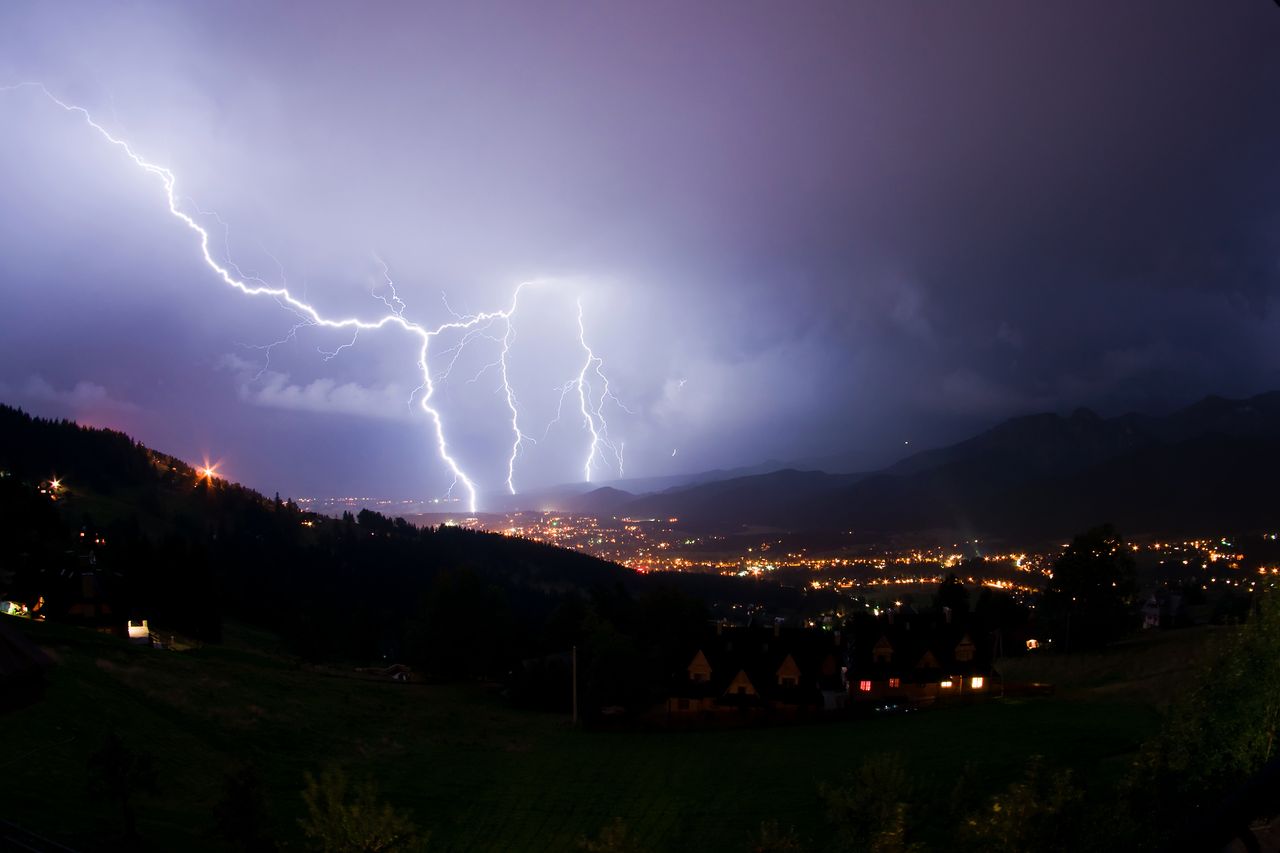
x=593 y=409
x=470 y=326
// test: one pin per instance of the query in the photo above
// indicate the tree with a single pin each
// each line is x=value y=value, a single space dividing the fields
x=1221 y=732
x=1091 y=590
x=342 y=821
x=952 y=597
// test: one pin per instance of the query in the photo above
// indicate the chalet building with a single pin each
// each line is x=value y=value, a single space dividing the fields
x=918 y=663
x=1163 y=609
x=89 y=602
x=758 y=671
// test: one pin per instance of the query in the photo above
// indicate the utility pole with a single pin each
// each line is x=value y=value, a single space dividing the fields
x=574 y=688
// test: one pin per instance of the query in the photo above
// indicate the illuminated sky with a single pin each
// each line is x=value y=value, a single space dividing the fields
x=796 y=233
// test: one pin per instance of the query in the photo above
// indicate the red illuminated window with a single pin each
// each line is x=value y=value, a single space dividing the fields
x=895 y=682
x=864 y=686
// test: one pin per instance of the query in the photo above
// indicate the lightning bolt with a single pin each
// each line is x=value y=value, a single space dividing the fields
x=471 y=325
x=592 y=407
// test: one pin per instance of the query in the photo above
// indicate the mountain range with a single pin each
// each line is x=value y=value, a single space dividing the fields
x=1214 y=465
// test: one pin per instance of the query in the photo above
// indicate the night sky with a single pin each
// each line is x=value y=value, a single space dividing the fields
x=801 y=232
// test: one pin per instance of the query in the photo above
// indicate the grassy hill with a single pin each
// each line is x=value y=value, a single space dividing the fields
x=475 y=772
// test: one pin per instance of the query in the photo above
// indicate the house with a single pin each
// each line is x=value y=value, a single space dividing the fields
x=1163 y=609
x=138 y=631
x=757 y=672
x=1151 y=612
x=88 y=601
x=918 y=661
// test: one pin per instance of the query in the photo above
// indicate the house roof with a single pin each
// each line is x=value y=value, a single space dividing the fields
x=766 y=656
x=917 y=647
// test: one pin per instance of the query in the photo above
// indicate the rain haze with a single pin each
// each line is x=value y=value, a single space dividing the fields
x=800 y=233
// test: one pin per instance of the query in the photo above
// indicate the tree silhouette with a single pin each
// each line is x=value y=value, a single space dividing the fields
x=1091 y=589
x=952 y=596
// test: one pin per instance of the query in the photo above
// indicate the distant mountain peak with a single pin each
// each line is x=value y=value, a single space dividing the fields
x=1037 y=472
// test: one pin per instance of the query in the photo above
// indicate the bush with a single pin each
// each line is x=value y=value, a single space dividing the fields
x=869 y=812
x=359 y=823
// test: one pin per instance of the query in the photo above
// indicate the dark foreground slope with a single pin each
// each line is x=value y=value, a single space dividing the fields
x=157 y=542
x=479 y=775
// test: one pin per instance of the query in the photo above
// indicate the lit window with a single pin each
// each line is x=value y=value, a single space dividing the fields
x=1033 y=644
x=945 y=684
x=976 y=682
x=895 y=682
x=864 y=686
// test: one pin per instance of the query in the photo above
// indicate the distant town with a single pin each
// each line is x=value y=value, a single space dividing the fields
x=843 y=562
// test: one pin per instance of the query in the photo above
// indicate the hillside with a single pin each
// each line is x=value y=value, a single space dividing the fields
x=162 y=543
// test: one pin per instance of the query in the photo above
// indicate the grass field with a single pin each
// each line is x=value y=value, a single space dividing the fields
x=477 y=774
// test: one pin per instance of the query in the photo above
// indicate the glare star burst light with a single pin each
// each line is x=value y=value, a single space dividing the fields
x=591 y=382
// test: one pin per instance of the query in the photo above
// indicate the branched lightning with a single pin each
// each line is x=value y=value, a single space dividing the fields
x=393 y=302
x=592 y=405
x=591 y=382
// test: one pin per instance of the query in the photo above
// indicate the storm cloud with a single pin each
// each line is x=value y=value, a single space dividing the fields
x=796 y=232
